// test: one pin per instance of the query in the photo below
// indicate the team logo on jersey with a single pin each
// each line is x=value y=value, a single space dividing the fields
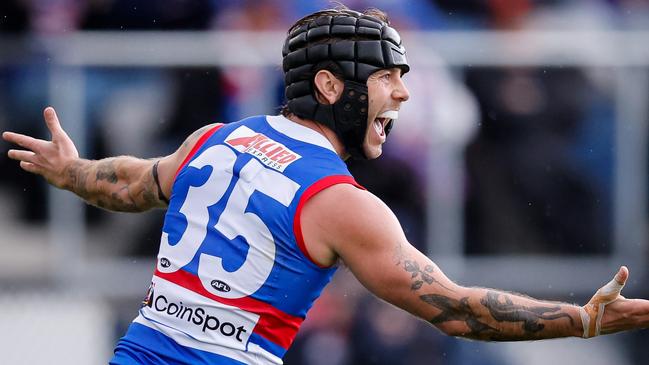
x=270 y=152
x=220 y=286
x=164 y=262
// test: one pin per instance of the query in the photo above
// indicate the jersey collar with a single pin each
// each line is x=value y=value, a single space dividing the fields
x=299 y=132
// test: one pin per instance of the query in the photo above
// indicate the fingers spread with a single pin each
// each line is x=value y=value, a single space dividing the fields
x=24 y=141
x=21 y=155
x=52 y=121
x=9 y=136
x=30 y=167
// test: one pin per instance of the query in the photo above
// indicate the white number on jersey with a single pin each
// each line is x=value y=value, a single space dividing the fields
x=233 y=222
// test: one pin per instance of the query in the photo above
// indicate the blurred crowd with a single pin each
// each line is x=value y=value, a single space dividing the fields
x=536 y=143
x=59 y=16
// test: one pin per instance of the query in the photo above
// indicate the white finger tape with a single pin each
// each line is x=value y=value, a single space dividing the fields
x=612 y=287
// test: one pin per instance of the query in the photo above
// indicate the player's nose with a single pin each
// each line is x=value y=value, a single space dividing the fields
x=401 y=92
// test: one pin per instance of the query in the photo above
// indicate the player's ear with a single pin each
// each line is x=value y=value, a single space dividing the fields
x=327 y=86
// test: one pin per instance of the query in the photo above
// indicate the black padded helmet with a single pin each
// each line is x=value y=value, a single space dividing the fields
x=355 y=45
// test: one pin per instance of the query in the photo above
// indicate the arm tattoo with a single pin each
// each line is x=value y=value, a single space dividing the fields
x=106 y=171
x=119 y=183
x=120 y=204
x=121 y=200
x=114 y=184
x=420 y=276
x=78 y=175
x=454 y=310
x=497 y=316
x=530 y=316
x=502 y=312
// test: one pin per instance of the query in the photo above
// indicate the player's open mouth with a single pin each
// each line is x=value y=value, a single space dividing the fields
x=383 y=120
x=379 y=125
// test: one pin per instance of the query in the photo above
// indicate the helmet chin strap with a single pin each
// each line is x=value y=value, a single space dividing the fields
x=350 y=117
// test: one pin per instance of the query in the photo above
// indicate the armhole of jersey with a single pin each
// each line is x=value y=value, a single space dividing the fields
x=310 y=192
x=198 y=145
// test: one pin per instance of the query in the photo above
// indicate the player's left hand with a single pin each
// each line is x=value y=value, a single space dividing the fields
x=47 y=158
x=609 y=312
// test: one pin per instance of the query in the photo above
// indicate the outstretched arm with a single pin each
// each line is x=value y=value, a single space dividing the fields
x=365 y=234
x=494 y=315
x=123 y=183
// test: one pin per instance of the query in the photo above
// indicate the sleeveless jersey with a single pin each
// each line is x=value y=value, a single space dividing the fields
x=233 y=280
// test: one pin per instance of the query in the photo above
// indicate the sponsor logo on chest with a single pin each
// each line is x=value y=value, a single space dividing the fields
x=270 y=152
x=197 y=316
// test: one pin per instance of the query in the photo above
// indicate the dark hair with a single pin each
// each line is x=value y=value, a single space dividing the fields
x=330 y=65
x=339 y=10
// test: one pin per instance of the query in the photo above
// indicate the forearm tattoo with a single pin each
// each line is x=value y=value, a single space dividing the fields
x=108 y=185
x=78 y=177
x=497 y=316
x=106 y=171
x=420 y=276
x=507 y=311
x=454 y=310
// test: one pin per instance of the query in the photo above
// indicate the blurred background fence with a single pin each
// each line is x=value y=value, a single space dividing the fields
x=520 y=162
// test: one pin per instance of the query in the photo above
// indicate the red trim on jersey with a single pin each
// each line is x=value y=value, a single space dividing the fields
x=198 y=145
x=312 y=190
x=274 y=325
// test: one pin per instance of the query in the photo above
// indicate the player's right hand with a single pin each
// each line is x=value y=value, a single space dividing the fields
x=47 y=158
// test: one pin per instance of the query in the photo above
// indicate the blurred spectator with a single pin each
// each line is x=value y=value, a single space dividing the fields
x=50 y=17
x=200 y=96
x=633 y=14
x=21 y=100
x=527 y=192
x=149 y=15
x=250 y=93
x=324 y=338
x=255 y=15
x=585 y=15
x=21 y=96
x=398 y=188
x=385 y=335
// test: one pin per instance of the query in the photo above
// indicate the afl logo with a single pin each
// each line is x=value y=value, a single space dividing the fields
x=164 y=262
x=220 y=286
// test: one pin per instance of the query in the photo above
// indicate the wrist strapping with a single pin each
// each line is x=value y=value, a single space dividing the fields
x=592 y=313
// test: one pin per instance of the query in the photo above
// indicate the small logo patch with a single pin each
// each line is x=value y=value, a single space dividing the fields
x=220 y=286
x=164 y=262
